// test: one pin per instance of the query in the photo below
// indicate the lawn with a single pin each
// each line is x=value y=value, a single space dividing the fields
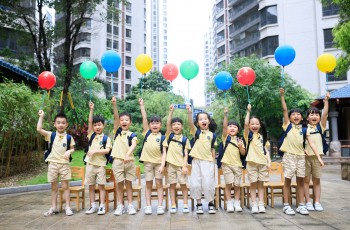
x=76 y=161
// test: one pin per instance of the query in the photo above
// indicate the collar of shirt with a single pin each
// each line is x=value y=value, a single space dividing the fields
x=61 y=135
x=297 y=126
x=205 y=131
x=124 y=132
x=311 y=126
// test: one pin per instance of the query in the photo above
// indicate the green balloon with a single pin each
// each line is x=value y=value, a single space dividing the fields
x=88 y=69
x=189 y=69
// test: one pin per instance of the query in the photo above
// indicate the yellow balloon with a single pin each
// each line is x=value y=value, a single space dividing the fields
x=326 y=62
x=143 y=63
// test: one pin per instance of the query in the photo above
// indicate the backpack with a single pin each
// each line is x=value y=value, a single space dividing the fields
x=222 y=149
x=193 y=141
x=104 y=142
x=49 y=146
x=162 y=138
x=183 y=142
x=324 y=142
x=284 y=134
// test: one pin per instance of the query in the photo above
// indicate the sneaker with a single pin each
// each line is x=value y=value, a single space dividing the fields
x=131 y=210
x=50 y=212
x=288 y=210
x=309 y=206
x=119 y=210
x=148 y=210
x=261 y=208
x=318 y=207
x=211 y=208
x=160 y=210
x=230 y=207
x=254 y=208
x=69 y=211
x=101 y=211
x=199 y=209
x=302 y=210
x=185 y=209
x=237 y=206
x=91 y=210
x=173 y=210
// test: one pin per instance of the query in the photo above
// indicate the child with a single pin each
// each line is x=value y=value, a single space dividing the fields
x=312 y=166
x=178 y=146
x=153 y=158
x=294 y=156
x=231 y=162
x=95 y=159
x=58 y=160
x=203 y=154
x=258 y=159
x=124 y=167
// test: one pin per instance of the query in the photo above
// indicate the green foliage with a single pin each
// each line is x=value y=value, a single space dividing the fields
x=154 y=81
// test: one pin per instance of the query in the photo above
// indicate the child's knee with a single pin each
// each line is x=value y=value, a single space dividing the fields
x=159 y=183
x=64 y=185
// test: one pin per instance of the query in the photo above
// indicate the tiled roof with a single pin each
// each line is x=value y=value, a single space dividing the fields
x=18 y=71
x=343 y=92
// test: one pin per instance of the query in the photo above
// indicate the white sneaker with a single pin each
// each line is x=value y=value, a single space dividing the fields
x=148 y=210
x=186 y=209
x=119 y=210
x=131 y=210
x=101 y=211
x=254 y=208
x=91 y=210
x=288 y=210
x=230 y=207
x=160 y=210
x=211 y=208
x=318 y=207
x=199 y=209
x=302 y=210
x=237 y=206
x=309 y=206
x=261 y=208
x=69 y=211
x=173 y=210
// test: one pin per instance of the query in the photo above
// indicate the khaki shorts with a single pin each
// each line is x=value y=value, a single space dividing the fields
x=257 y=172
x=95 y=174
x=152 y=171
x=124 y=171
x=312 y=167
x=56 y=170
x=293 y=165
x=175 y=175
x=232 y=174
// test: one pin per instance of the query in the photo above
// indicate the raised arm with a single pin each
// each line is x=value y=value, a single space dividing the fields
x=224 y=125
x=168 y=122
x=190 y=120
x=284 y=107
x=246 y=120
x=144 y=115
x=91 y=116
x=116 y=114
x=39 y=126
x=325 y=110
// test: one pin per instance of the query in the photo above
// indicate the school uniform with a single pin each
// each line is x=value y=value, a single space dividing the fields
x=58 y=165
x=231 y=162
x=95 y=170
x=123 y=171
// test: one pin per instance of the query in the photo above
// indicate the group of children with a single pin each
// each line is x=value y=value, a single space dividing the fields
x=173 y=152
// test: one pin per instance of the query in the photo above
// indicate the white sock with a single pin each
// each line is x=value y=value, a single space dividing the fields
x=102 y=205
x=93 y=205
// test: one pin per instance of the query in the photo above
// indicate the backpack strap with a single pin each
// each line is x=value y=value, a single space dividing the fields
x=69 y=138
x=92 y=138
x=182 y=142
x=162 y=138
x=213 y=140
x=104 y=141
x=304 y=130
x=52 y=139
x=118 y=132
x=132 y=135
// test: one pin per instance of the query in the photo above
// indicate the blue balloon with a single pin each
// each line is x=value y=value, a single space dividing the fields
x=223 y=80
x=111 y=61
x=284 y=55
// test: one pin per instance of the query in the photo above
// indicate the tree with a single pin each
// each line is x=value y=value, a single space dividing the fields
x=154 y=81
x=264 y=93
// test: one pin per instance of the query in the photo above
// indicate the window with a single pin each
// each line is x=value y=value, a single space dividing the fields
x=128 y=33
x=127 y=88
x=128 y=74
x=329 y=9
x=128 y=46
x=115 y=30
x=128 y=6
x=128 y=60
x=115 y=44
x=269 y=45
x=332 y=77
x=268 y=15
x=128 y=19
x=221 y=50
x=82 y=52
x=220 y=36
x=84 y=37
x=109 y=43
x=328 y=38
x=109 y=28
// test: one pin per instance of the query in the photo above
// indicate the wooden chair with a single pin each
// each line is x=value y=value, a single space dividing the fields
x=154 y=195
x=178 y=190
x=76 y=173
x=136 y=189
x=294 y=194
x=245 y=186
x=272 y=186
x=110 y=187
x=220 y=187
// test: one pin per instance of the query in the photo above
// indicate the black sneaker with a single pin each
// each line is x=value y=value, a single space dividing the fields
x=199 y=209
x=211 y=208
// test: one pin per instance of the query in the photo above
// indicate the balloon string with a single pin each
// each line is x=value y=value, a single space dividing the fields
x=188 y=90
x=141 y=85
x=48 y=94
x=248 y=94
x=90 y=90
x=282 y=74
x=225 y=94
x=112 y=86
x=327 y=81
x=171 y=91
x=43 y=100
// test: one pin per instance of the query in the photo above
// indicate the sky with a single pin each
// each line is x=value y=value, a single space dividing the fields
x=188 y=21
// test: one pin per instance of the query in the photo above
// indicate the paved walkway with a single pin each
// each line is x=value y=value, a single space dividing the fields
x=25 y=211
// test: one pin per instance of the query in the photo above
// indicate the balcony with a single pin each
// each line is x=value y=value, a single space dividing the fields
x=234 y=32
x=246 y=42
x=243 y=9
x=233 y=2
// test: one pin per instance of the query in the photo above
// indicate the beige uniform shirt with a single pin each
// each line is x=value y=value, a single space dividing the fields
x=121 y=145
x=151 y=149
x=293 y=143
x=316 y=139
x=202 y=148
x=97 y=143
x=232 y=155
x=256 y=150
x=59 y=148
x=175 y=154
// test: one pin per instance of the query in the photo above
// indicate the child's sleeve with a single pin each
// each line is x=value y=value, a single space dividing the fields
x=284 y=126
x=193 y=134
x=165 y=143
x=72 y=142
x=48 y=137
x=109 y=143
x=89 y=135
x=188 y=145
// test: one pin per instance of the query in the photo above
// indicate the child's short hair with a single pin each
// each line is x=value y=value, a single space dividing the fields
x=176 y=119
x=235 y=123
x=125 y=114
x=313 y=110
x=61 y=115
x=155 y=118
x=295 y=110
x=97 y=119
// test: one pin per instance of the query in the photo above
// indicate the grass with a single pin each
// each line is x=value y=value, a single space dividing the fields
x=76 y=161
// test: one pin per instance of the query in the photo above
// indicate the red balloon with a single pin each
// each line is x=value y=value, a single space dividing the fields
x=170 y=71
x=245 y=76
x=47 y=80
